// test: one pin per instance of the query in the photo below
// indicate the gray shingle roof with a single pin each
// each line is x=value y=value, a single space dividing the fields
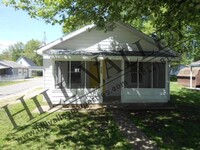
x=11 y=64
x=195 y=64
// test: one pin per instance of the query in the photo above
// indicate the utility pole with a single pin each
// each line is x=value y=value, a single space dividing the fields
x=45 y=39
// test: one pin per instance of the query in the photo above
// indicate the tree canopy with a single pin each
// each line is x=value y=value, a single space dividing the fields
x=171 y=20
x=168 y=15
x=20 y=49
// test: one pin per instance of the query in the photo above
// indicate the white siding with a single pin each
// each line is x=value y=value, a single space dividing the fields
x=48 y=73
x=23 y=62
x=131 y=95
x=96 y=40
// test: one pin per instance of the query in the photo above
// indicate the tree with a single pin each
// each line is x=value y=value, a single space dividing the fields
x=168 y=15
x=7 y=55
x=19 y=49
x=167 y=19
x=29 y=51
x=16 y=50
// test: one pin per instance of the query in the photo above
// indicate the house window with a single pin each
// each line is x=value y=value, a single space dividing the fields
x=144 y=75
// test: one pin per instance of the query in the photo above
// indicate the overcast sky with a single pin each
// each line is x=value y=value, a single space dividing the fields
x=17 y=26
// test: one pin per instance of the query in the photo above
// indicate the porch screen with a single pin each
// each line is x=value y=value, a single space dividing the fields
x=69 y=74
x=130 y=74
x=159 y=75
x=144 y=75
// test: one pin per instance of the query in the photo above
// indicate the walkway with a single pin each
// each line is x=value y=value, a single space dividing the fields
x=136 y=137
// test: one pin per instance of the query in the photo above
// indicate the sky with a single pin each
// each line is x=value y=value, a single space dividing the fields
x=18 y=26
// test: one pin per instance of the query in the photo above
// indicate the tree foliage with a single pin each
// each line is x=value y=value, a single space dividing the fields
x=169 y=20
x=29 y=51
x=20 y=49
x=16 y=50
x=168 y=15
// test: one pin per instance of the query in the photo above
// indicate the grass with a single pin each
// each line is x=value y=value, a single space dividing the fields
x=173 y=129
x=84 y=131
x=7 y=83
x=170 y=129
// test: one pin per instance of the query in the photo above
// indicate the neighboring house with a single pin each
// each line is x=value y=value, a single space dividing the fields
x=33 y=68
x=175 y=70
x=121 y=63
x=190 y=76
x=12 y=70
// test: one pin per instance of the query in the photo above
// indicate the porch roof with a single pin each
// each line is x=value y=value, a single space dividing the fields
x=161 y=53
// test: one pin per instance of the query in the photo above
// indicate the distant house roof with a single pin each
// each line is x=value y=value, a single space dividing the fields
x=30 y=62
x=3 y=66
x=11 y=64
x=195 y=64
x=185 y=72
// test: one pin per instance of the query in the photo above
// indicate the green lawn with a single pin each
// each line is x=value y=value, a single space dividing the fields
x=84 y=131
x=173 y=129
x=170 y=129
x=6 y=83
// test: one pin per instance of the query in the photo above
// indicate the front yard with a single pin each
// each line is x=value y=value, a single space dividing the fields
x=170 y=129
x=84 y=131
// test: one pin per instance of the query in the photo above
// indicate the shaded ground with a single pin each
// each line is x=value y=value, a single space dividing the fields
x=84 y=131
x=174 y=129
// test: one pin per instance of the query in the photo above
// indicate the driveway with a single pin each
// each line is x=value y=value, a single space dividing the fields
x=20 y=87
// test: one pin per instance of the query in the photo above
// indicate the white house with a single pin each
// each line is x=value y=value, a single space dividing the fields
x=33 y=68
x=121 y=63
x=10 y=70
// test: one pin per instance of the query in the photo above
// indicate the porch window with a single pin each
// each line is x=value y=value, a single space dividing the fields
x=145 y=72
x=144 y=75
x=76 y=74
x=69 y=74
x=131 y=74
x=159 y=75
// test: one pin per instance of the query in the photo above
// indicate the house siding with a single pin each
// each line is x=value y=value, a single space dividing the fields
x=134 y=95
x=96 y=40
x=48 y=73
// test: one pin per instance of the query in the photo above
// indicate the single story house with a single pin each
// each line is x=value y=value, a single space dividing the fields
x=33 y=68
x=121 y=63
x=12 y=70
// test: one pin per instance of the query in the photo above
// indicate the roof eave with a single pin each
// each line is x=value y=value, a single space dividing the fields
x=62 y=39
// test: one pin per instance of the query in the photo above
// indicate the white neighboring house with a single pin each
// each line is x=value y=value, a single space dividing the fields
x=10 y=70
x=121 y=63
x=33 y=68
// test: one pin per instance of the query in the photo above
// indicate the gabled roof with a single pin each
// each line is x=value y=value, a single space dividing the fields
x=62 y=39
x=11 y=64
x=30 y=62
x=68 y=38
x=185 y=72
